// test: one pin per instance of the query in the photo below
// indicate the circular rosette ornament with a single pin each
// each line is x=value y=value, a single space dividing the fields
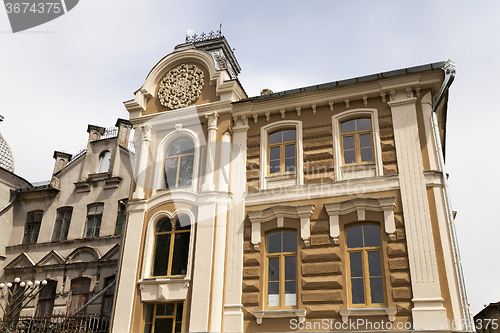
x=181 y=86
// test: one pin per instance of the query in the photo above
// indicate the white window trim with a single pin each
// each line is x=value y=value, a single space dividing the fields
x=299 y=159
x=337 y=144
x=148 y=245
x=160 y=155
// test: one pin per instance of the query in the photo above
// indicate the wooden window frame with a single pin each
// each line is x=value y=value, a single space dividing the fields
x=33 y=238
x=282 y=146
x=61 y=236
x=357 y=147
x=107 y=281
x=46 y=300
x=122 y=213
x=174 y=316
x=165 y=158
x=366 y=275
x=172 y=234
x=93 y=234
x=282 y=256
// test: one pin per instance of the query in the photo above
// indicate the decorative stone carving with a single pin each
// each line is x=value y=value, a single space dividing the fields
x=282 y=114
x=244 y=120
x=409 y=92
x=178 y=127
x=212 y=120
x=365 y=100
x=181 y=86
x=268 y=116
x=313 y=107
x=255 y=118
x=383 y=97
x=347 y=103
x=331 y=105
x=392 y=94
x=417 y=91
x=299 y=111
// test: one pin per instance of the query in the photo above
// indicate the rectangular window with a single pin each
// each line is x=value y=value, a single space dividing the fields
x=32 y=228
x=281 y=152
x=365 y=265
x=46 y=299
x=107 y=299
x=94 y=217
x=61 y=226
x=357 y=145
x=80 y=291
x=282 y=267
x=163 y=318
x=120 y=218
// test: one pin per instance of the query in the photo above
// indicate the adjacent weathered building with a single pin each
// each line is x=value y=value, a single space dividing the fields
x=258 y=214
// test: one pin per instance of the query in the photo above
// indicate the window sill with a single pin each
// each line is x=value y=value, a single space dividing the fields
x=287 y=313
x=390 y=312
x=281 y=180
x=355 y=171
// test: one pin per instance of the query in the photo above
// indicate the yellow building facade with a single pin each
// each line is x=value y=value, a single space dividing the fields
x=321 y=208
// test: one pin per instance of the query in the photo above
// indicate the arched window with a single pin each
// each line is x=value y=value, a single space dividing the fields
x=282 y=152
x=104 y=159
x=178 y=164
x=357 y=143
x=364 y=251
x=281 y=266
x=171 y=246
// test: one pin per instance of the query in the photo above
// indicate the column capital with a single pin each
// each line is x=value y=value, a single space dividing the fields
x=212 y=121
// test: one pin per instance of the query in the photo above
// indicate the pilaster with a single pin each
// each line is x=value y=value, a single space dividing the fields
x=427 y=300
x=143 y=162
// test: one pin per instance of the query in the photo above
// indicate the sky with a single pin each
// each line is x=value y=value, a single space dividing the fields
x=57 y=78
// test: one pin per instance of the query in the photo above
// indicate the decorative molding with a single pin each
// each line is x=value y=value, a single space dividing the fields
x=268 y=116
x=282 y=113
x=331 y=105
x=279 y=213
x=313 y=107
x=346 y=103
x=392 y=94
x=255 y=118
x=299 y=111
x=365 y=100
x=360 y=206
x=417 y=91
x=178 y=127
x=181 y=86
x=212 y=121
x=383 y=97
x=244 y=120
x=286 y=313
x=409 y=92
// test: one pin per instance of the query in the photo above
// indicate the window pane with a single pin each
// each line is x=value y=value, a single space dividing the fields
x=290 y=268
x=290 y=293
x=160 y=309
x=179 y=313
x=170 y=172
x=149 y=313
x=180 y=257
x=289 y=135
x=164 y=325
x=371 y=234
x=365 y=140
x=349 y=157
x=348 y=142
x=289 y=151
x=170 y=307
x=374 y=263
x=289 y=241
x=104 y=161
x=357 y=291
x=178 y=327
x=275 y=137
x=164 y=226
x=274 y=153
x=162 y=250
x=274 y=166
x=183 y=223
x=347 y=126
x=147 y=328
x=274 y=242
x=180 y=146
x=363 y=124
x=366 y=154
x=290 y=165
x=354 y=236
x=273 y=294
x=377 y=290
x=274 y=269
x=186 y=170
x=356 y=264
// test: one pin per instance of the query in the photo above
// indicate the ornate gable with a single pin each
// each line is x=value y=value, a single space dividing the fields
x=21 y=261
x=52 y=258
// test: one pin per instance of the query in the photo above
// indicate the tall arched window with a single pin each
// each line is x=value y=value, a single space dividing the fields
x=357 y=147
x=364 y=252
x=282 y=265
x=282 y=152
x=178 y=163
x=171 y=247
x=104 y=159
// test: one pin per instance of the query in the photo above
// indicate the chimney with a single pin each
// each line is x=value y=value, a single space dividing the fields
x=95 y=132
x=62 y=160
x=124 y=127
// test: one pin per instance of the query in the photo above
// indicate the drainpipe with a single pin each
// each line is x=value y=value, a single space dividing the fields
x=449 y=76
x=13 y=197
